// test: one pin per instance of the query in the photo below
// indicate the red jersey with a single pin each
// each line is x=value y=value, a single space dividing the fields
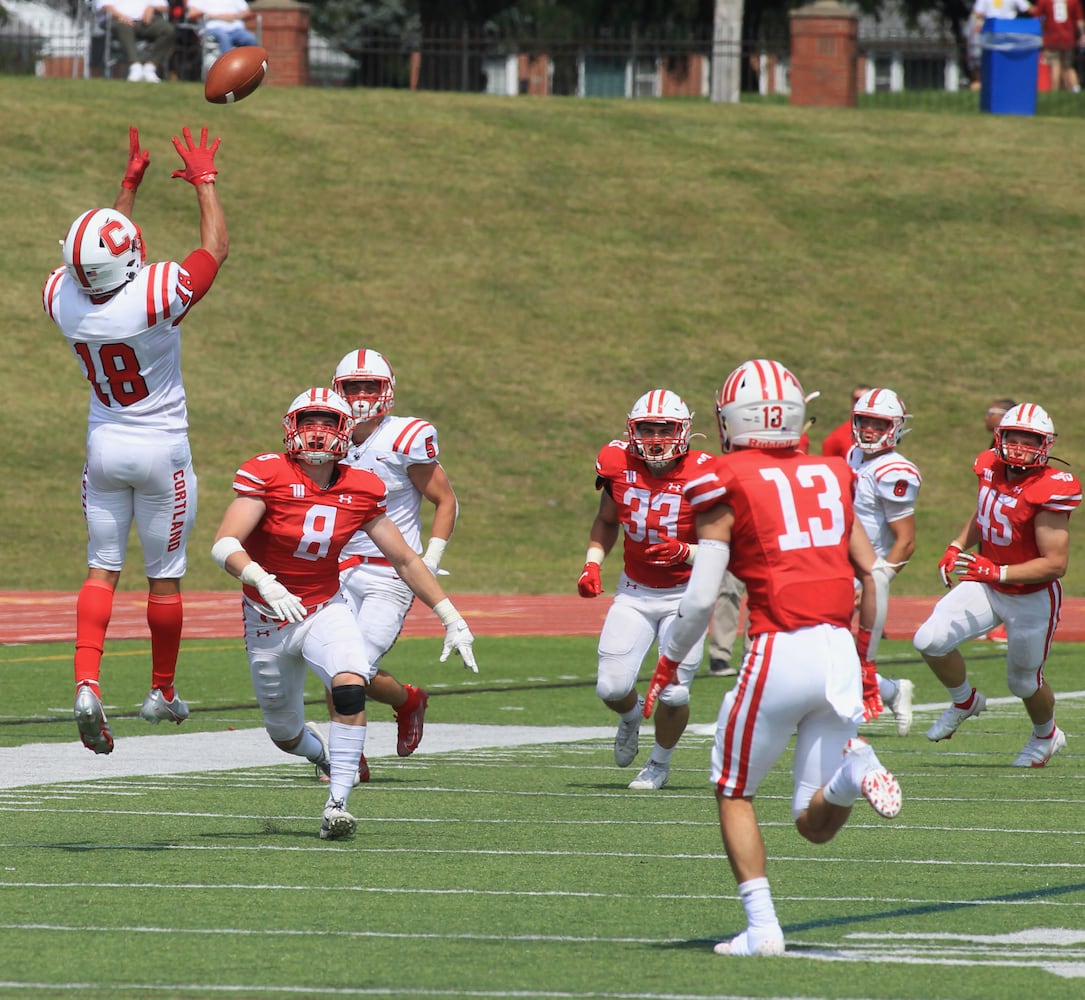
x=790 y=539
x=1060 y=19
x=650 y=508
x=838 y=441
x=305 y=527
x=1006 y=512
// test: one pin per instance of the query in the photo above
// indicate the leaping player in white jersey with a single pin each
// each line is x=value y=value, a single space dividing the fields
x=403 y=452
x=886 y=487
x=121 y=318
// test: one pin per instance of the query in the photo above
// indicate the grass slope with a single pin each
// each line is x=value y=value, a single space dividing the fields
x=530 y=267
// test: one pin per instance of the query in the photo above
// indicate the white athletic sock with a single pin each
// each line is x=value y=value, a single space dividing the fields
x=661 y=755
x=887 y=689
x=634 y=712
x=962 y=694
x=345 y=747
x=309 y=747
x=760 y=911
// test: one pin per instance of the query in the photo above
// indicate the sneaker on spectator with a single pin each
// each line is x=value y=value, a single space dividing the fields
x=652 y=777
x=1038 y=751
x=953 y=716
x=135 y=73
x=150 y=74
x=627 y=739
x=156 y=709
x=337 y=823
x=410 y=717
x=721 y=668
x=901 y=706
x=91 y=721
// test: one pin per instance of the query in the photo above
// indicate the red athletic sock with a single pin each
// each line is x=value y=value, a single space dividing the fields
x=165 y=616
x=93 y=609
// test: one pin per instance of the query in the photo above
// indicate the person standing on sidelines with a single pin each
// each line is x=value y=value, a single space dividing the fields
x=886 y=488
x=783 y=522
x=1022 y=524
x=839 y=440
x=641 y=482
x=403 y=452
x=121 y=319
x=282 y=537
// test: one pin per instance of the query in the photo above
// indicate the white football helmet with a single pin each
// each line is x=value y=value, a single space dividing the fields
x=660 y=406
x=318 y=443
x=366 y=366
x=761 y=405
x=1030 y=418
x=103 y=250
x=881 y=404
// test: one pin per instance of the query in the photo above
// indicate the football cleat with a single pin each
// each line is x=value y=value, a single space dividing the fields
x=901 y=706
x=771 y=944
x=953 y=716
x=652 y=777
x=156 y=709
x=91 y=721
x=337 y=823
x=1038 y=751
x=876 y=784
x=410 y=717
x=627 y=739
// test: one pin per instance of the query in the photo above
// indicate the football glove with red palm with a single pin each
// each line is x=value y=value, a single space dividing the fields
x=669 y=552
x=199 y=159
x=973 y=566
x=872 y=696
x=948 y=562
x=589 y=584
x=666 y=673
x=138 y=160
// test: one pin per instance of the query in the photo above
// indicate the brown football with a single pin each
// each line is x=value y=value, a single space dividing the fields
x=235 y=75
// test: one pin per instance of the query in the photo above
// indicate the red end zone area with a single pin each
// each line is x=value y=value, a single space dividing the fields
x=49 y=616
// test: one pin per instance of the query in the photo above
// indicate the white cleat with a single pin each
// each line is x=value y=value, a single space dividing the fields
x=901 y=706
x=337 y=823
x=653 y=776
x=1038 y=752
x=627 y=739
x=876 y=784
x=770 y=945
x=91 y=721
x=953 y=716
x=156 y=709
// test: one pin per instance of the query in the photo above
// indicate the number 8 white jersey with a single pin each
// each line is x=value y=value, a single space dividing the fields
x=886 y=488
x=128 y=344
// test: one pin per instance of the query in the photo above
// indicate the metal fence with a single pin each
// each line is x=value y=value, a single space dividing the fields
x=919 y=69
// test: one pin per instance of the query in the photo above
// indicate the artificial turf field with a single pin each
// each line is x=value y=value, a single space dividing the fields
x=489 y=870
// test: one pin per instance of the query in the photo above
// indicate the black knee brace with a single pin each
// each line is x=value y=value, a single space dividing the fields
x=349 y=699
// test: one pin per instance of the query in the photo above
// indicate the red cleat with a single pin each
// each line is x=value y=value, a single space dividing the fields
x=410 y=717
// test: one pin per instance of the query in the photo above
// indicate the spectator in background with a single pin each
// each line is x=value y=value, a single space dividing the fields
x=981 y=10
x=224 y=21
x=839 y=441
x=1063 y=30
x=141 y=21
x=996 y=410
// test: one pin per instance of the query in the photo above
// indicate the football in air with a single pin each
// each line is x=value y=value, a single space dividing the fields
x=235 y=75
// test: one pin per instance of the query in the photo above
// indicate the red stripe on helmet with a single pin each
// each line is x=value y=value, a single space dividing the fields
x=80 y=274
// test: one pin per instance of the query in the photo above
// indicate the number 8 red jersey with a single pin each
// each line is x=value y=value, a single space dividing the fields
x=789 y=542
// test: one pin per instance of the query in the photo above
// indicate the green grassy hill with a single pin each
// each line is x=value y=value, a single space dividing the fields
x=530 y=267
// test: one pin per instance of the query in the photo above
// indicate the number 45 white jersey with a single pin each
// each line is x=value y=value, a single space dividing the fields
x=391 y=449
x=886 y=488
x=128 y=345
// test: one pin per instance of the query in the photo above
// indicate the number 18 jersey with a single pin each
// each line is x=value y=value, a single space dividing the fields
x=790 y=539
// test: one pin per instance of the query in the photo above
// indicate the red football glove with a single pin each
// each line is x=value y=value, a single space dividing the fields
x=138 y=159
x=872 y=697
x=199 y=160
x=666 y=673
x=668 y=553
x=862 y=643
x=973 y=566
x=948 y=562
x=589 y=584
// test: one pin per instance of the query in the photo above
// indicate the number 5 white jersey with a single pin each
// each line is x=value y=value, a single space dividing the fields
x=395 y=445
x=886 y=488
x=128 y=345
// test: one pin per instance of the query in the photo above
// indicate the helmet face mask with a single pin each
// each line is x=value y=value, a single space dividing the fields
x=878 y=419
x=658 y=427
x=1024 y=436
x=103 y=250
x=761 y=405
x=366 y=381
x=318 y=426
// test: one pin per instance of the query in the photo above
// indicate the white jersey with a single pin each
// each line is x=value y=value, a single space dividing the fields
x=389 y=451
x=886 y=488
x=128 y=345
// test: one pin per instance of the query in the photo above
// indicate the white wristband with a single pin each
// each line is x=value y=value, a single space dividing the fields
x=434 y=551
x=254 y=574
x=224 y=548
x=692 y=554
x=446 y=611
x=595 y=554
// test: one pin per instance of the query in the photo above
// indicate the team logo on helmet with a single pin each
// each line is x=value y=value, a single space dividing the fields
x=103 y=250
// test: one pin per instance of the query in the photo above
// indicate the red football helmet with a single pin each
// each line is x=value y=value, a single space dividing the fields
x=323 y=441
x=1031 y=419
x=366 y=366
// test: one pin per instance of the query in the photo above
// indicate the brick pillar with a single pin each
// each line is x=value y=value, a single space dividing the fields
x=284 y=31
x=824 y=43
